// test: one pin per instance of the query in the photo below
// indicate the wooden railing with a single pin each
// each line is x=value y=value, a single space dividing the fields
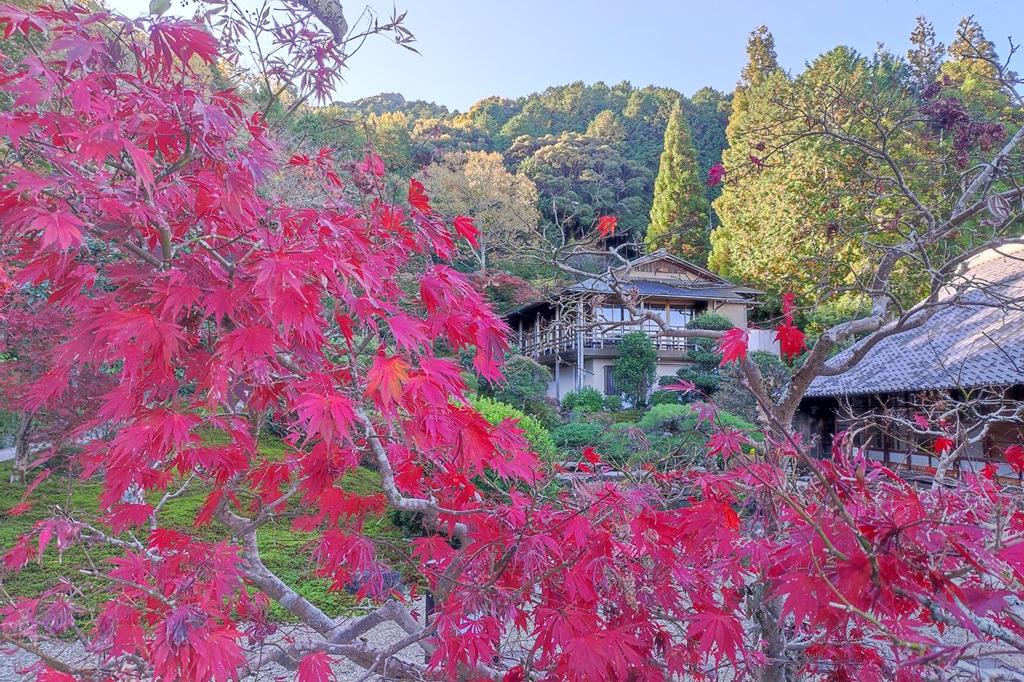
x=559 y=338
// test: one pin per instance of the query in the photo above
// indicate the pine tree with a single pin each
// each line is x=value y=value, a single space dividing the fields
x=926 y=55
x=679 y=214
x=761 y=57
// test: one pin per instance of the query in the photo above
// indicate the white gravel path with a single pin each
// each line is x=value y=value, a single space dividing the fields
x=14 y=662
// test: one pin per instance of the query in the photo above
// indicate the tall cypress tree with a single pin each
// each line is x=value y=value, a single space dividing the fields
x=761 y=58
x=679 y=214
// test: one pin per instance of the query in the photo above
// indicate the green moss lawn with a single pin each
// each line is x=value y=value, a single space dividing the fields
x=284 y=551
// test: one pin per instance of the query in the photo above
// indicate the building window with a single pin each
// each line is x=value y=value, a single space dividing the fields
x=680 y=315
x=609 y=381
x=611 y=314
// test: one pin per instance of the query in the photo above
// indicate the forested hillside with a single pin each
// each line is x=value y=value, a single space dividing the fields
x=792 y=215
x=590 y=149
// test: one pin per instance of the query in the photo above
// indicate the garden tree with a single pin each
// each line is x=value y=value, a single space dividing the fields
x=703 y=355
x=635 y=367
x=815 y=194
x=679 y=214
x=732 y=396
x=503 y=205
x=137 y=195
x=926 y=56
x=582 y=177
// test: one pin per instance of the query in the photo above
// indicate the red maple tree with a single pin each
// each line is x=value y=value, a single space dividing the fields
x=138 y=194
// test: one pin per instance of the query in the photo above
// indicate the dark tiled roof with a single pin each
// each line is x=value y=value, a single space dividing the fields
x=977 y=340
x=644 y=287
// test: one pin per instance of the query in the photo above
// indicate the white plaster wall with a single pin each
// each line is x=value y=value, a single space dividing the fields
x=566 y=381
x=763 y=340
x=735 y=312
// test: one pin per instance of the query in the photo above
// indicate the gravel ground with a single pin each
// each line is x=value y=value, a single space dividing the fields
x=14 y=662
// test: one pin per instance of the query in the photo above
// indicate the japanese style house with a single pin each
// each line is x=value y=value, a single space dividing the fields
x=573 y=332
x=965 y=360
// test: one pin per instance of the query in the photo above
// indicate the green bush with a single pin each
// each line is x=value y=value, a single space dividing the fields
x=734 y=397
x=667 y=417
x=536 y=434
x=613 y=403
x=704 y=354
x=577 y=434
x=682 y=419
x=665 y=397
x=635 y=369
x=586 y=399
x=526 y=381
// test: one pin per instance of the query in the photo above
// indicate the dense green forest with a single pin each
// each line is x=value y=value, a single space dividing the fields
x=795 y=209
x=590 y=149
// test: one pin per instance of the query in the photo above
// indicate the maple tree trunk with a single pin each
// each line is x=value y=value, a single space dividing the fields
x=21 y=449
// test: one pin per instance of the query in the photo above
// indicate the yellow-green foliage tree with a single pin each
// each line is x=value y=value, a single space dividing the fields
x=503 y=204
x=813 y=196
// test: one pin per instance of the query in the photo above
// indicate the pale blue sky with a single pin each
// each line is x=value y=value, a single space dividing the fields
x=470 y=50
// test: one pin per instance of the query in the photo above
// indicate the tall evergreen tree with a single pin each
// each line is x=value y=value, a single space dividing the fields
x=707 y=113
x=761 y=57
x=679 y=214
x=926 y=55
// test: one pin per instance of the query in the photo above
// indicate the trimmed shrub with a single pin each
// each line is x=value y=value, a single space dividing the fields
x=586 y=399
x=667 y=417
x=636 y=367
x=613 y=403
x=577 y=434
x=536 y=434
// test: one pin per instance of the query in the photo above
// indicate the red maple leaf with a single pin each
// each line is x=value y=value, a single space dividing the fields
x=942 y=445
x=606 y=225
x=315 y=667
x=727 y=443
x=465 y=227
x=418 y=198
x=60 y=228
x=682 y=386
x=591 y=455
x=386 y=378
x=1014 y=455
x=372 y=164
x=733 y=346
x=717 y=633
x=716 y=174
x=791 y=340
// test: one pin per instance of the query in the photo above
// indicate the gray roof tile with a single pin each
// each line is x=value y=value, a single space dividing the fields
x=977 y=340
